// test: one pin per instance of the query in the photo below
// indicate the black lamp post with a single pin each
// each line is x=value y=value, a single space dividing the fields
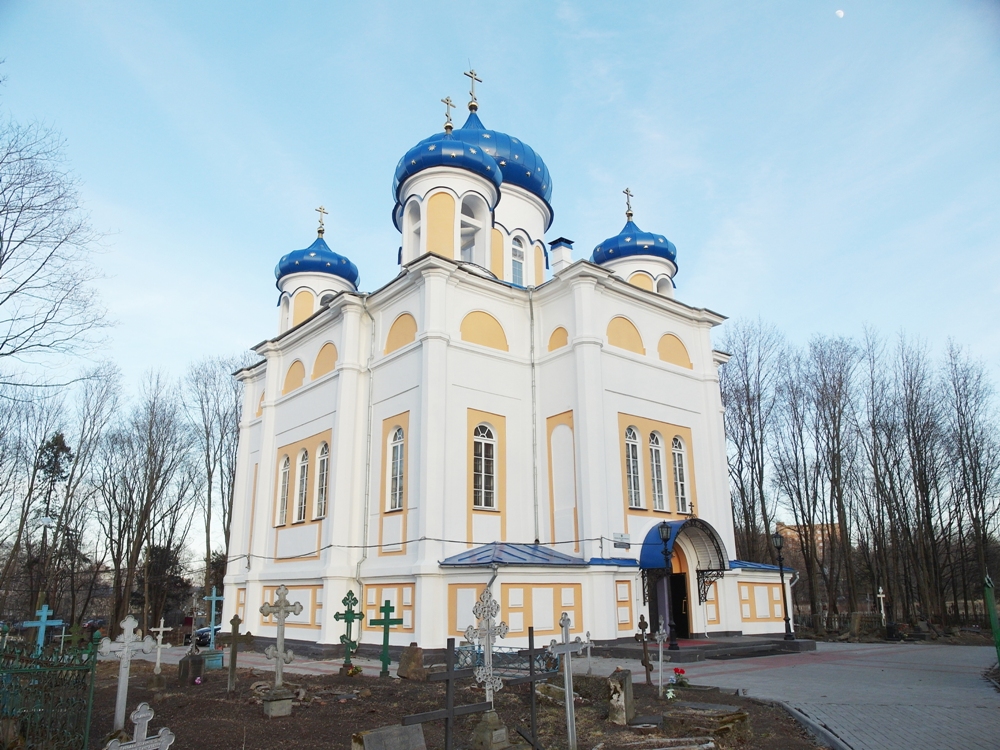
x=664 y=530
x=778 y=541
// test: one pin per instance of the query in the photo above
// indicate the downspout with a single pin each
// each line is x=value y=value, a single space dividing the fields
x=534 y=414
x=368 y=448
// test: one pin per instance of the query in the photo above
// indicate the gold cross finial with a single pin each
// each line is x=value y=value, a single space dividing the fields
x=321 y=211
x=449 y=105
x=473 y=80
x=628 y=203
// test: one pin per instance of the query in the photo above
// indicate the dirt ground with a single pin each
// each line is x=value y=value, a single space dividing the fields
x=201 y=716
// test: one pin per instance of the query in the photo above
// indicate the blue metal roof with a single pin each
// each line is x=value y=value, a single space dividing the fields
x=622 y=562
x=633 y=241
x=755 y=565
x=503 y=553
x=317 y=258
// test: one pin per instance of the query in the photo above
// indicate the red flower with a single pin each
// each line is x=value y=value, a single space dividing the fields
x=677 y=670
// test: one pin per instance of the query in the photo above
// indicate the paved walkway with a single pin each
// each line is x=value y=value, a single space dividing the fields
x=873 y=696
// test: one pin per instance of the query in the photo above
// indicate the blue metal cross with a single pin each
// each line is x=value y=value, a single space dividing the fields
x=211 y=623
x=42 y=623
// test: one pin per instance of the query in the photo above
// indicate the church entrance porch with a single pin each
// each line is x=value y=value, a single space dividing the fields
x=657 y=601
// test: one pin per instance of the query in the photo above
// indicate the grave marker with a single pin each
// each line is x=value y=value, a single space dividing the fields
x=126 y=644
x=393 y=737
x=211 y=617
x=385 y=623
x=660 y=638
x=349 y=616
x=42 y=623
x=157 y=682
x=566 y=649
x=485 y=610
x=141 y=718
x=531 y=679
x=641 y=638
x=450 y=712
x=234 y=639
x=278 y=701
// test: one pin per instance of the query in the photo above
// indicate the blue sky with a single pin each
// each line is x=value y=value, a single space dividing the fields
x=820 y=172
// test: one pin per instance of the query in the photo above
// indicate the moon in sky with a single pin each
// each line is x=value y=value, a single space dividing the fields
x=840 y=14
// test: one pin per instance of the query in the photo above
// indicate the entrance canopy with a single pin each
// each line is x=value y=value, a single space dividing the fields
x=709 y=550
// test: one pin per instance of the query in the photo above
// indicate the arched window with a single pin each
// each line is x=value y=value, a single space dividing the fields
x=680 y=476
x=300 y=498
x=632 y=468
x=483 y=467
x=283 y=492
x=323 y=479
x=656 y=470
x=411 y=235
x=517 y=262
x=326 y=299
x=396 y=470
x=475 y=220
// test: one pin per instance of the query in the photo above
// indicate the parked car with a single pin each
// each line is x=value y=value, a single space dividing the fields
x=202 y=635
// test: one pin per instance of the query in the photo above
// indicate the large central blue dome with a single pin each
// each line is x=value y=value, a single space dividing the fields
x=497 y=156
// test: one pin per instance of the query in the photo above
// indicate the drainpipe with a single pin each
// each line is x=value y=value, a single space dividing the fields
x=534 y=413
x=368 y=448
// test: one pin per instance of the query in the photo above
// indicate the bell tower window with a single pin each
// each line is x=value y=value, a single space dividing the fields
x=517 y=262
x=474 y=223
x=411 y=231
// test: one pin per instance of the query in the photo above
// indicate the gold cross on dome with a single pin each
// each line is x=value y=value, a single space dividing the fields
x=322 y=212
x=473 y=80
x=628 y=203
x=449 y=105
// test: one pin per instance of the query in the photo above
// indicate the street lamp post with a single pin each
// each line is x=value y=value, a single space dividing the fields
x=664 y=530
x=778 y=541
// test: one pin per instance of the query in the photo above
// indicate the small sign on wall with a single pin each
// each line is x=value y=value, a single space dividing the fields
x=622 y=541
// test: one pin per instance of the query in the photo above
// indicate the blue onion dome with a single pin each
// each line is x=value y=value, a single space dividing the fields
x=446 y=150
x=633 y=241
x=317 y=258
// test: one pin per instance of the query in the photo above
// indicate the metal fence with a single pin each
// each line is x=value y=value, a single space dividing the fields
x=46 y=697
x=506 y=660
x=839 y=621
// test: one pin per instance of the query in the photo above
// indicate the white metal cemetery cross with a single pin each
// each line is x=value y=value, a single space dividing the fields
x=159 y=643
x=126 y=644
x=211 y=619
x=141 y=718
x=661 y=637
x=590 y=669
x=881 y=604
x=485 y=610
x=280 y=610
x=566 y=649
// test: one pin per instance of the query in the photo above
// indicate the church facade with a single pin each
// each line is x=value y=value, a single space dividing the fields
x=495 y=415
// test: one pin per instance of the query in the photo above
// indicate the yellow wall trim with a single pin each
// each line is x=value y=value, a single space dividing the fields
x=402 y=596
x=260 y=405
x=566 y=418
x=623 y=604
x=496 y=254
x=292 y=451
x=307 y=595
x=558 y=339
x=642 y=280
x=388 y=428
x=326 y=360
x=295 y=377
x=518 y=602
x=539 y=265
x=402 y=332
x=482 y=328
x=623 y=334
x=761 y=602
x=441 y=225
x=671 y=349
x=303 y=306
x=498 y=423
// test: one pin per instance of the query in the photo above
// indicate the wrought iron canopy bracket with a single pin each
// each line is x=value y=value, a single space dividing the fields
x=705 y=579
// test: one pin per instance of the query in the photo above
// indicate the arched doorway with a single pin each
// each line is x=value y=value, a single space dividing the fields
x=686 y=578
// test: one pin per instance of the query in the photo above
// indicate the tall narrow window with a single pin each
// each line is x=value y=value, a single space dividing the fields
x=322 y=479
x=517 y=263
x=483 y=468
x=680 y=476
x=283 y=492
x=396 y=470
x=300 y=499
x=656 y=470
x=632 y=468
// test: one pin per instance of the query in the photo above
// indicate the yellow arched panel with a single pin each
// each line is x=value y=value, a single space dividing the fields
x=623 y=334
x=672 y=350
x=441 y=225
x=295 y=377
x=539 y=266
x=558 y=339
x=641 y=280
x=402 y=332
x=302 y=308
x=326 y=360
x=483 y=329
x=496 y=254
x=260 y=405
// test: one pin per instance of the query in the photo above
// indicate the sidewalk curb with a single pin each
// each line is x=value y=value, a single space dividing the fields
x=817 y=730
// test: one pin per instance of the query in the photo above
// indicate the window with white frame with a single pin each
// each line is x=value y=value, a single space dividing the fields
x=322 y=479
x=303 y=490
x=517 y=262
x=396 y=445
x=473 y=229
x=286 y=467
x=632 y=468
x=680 y=476
x=483 y=467
x=656 y=470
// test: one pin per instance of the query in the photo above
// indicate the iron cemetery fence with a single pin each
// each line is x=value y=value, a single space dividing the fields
x=507 y=661
x=46 y=696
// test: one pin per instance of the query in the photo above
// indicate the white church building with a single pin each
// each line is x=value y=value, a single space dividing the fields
x=495 y=412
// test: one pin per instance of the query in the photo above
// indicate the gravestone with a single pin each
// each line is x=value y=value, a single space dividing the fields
x=621 y=708
x=394 y=737
x=126 y=644
x=703 y=718
x=411 y=664
x=234 y=639
x=278 y=701
x=385 y=623
x=531 y=679
x=190 y=669
x=158 y=681
x=490 y=733
x=142 y=741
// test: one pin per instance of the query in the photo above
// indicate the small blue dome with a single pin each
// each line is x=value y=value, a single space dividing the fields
x=317 y=258
x=633 y=241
